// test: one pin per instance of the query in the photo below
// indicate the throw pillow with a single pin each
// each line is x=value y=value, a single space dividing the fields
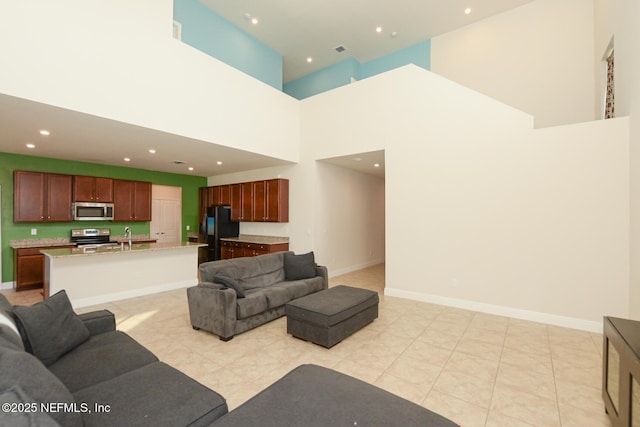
x=297 y=267
x=228 y=282
x=9 y=333
x=51 y=327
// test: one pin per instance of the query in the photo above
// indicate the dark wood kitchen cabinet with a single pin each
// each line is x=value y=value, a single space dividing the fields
x=132 y=200
x=238 y=249
x=41 y=197
x=271 y=200
x=242 y=201
x=219 y=195
x=92 y=189
x=29 y=267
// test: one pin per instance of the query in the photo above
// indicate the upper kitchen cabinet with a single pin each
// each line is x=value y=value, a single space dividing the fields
x=271 y=200
x=219 y=195
x=132 y=200
x=92 y=189
x=242 y=201
x=41 y=197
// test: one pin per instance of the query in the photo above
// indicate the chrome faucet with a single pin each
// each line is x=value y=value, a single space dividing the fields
x=127 y=234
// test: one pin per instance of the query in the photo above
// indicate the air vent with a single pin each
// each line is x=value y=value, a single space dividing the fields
x=340 y=49
x=179 y=162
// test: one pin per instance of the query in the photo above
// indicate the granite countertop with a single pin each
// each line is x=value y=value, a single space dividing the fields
x=260 y=240
x=64 y=241
x=123 y=249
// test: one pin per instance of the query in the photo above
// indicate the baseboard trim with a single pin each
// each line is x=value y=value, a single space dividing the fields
x=117 y=296
x=533 y=316
x=7 y=285
x=351 y=269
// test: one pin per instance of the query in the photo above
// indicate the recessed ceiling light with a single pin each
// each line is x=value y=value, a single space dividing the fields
x=376 y=165
x=357 y=159
x=190 y=168
x=254 y=21
x=467 y=11
x=309 y=59
x=218 y=163
x=394 y=34
x=126 y=159
x=45 y=132
x=378 y=29
x=152 y=151
x=31 y=146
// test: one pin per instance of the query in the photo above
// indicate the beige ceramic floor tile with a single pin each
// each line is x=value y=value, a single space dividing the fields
x=464 y=413
x=465 y=387
x=526 y=407
x=474 y=368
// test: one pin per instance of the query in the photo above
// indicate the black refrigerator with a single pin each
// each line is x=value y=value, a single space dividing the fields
x=215 y=224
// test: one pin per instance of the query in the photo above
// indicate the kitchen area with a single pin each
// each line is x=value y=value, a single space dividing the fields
x=113 y=259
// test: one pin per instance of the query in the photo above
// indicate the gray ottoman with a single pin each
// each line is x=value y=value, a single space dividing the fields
x=327 y=317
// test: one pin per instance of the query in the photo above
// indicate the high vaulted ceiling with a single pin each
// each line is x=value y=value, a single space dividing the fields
x=302 y=29
x=297 y=30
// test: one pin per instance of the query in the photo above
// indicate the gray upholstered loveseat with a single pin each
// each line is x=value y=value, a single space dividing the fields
x=239 y=294
x=60 y=369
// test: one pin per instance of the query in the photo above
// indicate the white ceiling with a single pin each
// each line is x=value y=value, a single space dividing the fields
x=296 y=30
x=301 y=29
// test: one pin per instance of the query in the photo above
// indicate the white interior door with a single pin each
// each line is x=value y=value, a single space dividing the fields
x=166 y=219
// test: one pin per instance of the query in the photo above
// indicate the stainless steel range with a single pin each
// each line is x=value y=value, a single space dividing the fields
x=88 y=238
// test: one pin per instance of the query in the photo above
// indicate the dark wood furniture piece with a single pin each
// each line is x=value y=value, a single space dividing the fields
x=41 y=197
x=621 y=371
x=92 y=189
x=239 y=249
x=131 y=200
x=29 y=267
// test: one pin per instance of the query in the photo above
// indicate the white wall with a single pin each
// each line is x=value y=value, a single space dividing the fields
x=538 y=58
x=350 y=222
x=520 y=221
x=118 y=60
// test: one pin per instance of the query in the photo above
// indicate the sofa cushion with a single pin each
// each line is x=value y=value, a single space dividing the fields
x=277 y=296
x=22 y=369
x=300 y=288
x=101 y=358
x=50 y=327
x=255 y=302
x=154 y=395
x=33 y=417
x=298 y=267
x=230 y=283
x=259 y=271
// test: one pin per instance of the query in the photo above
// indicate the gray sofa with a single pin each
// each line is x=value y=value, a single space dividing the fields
x=239 y=294
x=62 y=369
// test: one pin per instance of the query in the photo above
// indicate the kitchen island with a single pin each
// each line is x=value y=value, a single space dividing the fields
x=105 y=274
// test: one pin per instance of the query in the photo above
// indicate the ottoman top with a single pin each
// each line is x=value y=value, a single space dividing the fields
x=332 y=305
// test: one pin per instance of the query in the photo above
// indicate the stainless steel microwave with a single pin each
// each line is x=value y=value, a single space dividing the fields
x=85 y=211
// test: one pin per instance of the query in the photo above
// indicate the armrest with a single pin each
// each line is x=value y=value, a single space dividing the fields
x=322 y=271
x=212 y=307
x=99 y=321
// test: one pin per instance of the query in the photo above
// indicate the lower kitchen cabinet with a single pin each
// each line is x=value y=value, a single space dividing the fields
x=238 y=249
x=29 y=267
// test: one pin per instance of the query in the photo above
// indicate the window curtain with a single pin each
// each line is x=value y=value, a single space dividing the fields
x=609 y=106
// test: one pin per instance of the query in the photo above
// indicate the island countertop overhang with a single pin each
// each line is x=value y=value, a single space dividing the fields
x=117 y=249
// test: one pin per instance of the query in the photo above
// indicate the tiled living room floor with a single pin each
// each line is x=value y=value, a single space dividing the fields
x=474 y=368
